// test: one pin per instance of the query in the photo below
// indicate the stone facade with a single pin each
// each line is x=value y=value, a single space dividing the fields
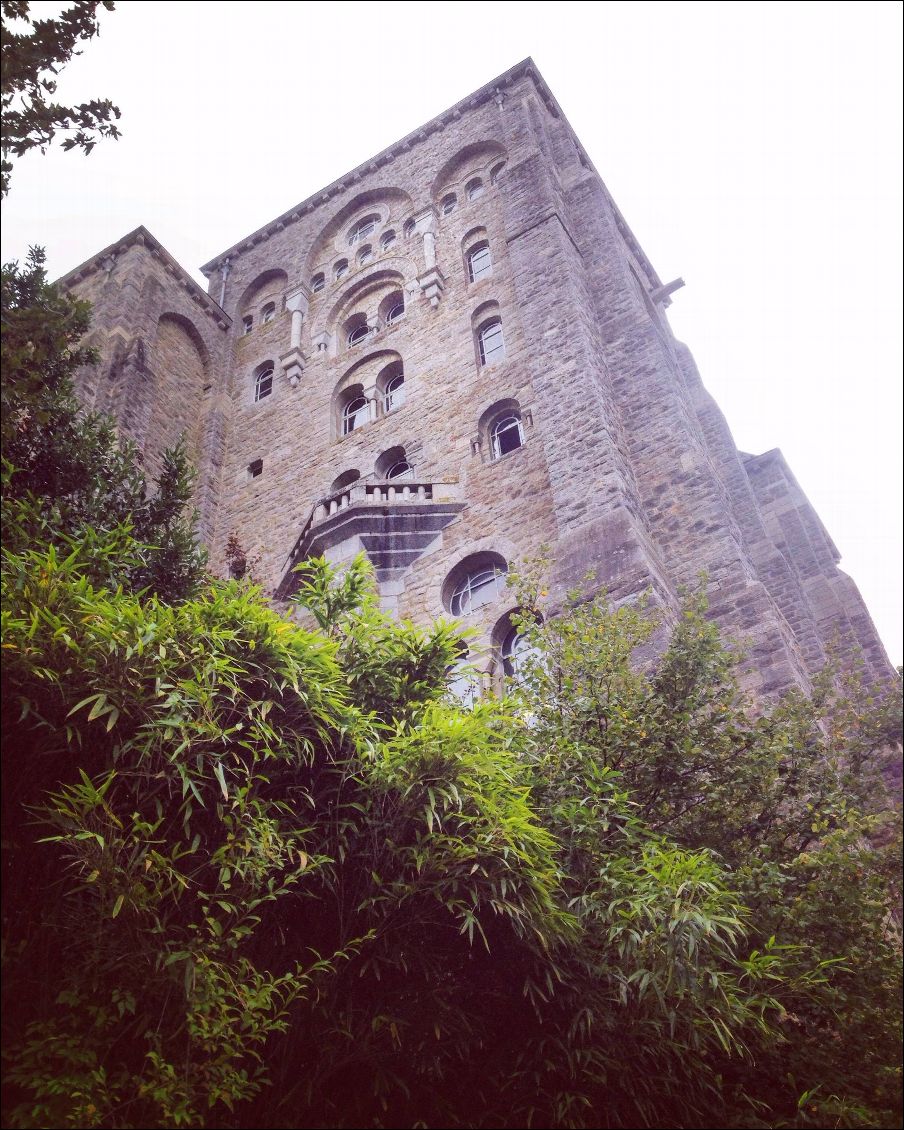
x=284 y=380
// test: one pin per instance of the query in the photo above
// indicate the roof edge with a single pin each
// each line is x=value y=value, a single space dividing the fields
x=141 y=237
x=526 y=67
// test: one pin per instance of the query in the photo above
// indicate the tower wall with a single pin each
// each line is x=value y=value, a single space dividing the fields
x=627 y=467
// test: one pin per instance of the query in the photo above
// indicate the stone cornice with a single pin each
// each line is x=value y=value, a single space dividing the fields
x=141 y=237
x=526 y=67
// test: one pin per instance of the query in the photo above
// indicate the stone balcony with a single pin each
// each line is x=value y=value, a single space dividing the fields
x=392 y=521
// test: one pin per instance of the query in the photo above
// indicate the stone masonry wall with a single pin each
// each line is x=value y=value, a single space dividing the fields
x=627 y=466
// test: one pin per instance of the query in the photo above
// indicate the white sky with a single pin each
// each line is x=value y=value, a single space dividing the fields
x=754 y=148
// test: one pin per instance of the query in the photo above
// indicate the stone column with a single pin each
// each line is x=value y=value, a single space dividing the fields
x=297 y=303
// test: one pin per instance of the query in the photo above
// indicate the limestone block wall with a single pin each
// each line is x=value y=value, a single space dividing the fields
x=161 y=374
x=627 y=467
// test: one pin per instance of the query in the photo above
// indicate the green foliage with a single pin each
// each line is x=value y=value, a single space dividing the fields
x=243 y=858
x=791 y=799
x=261 y=874
x=30 y=57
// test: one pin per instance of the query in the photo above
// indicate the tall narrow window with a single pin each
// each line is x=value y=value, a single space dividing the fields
x=464 y=682
x=409 y=227
x=479 y=262
x=492 y=345
x=318 y=282
x=507 y=435
x=387 y=239
x=394 y=393
x=263 y=383
x=355 y=415
x=247 y=324
x=268 y=313
x=341 y=269
x=365 y=254
x=449 y=204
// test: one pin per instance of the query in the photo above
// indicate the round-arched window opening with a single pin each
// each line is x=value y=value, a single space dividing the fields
x=394 y=393
x=365 y=254
x=400 y=470
x=344 y=480
x=387 y=239
x=247 y=324
x=474 y=583
x=362 y=229
x=463 y=681
x=395 y=312
x=318 y=282
x=449 y=204
x=491 y=342
x=409 y=227
x=474 y=188
x=479 y=261
x=268 y=313
x=341 y=269
x=355 y=414
x=263 y=382
x=506 y=435
x=496 y=172
x=515 y=653
x=358 y=334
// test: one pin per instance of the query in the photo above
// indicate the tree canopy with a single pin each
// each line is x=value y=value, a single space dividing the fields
x=33 y=51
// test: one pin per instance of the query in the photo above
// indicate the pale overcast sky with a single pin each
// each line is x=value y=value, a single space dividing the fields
x=754 y=148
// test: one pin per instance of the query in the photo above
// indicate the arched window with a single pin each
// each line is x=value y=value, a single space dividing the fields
x=449 y=204
x=490 y=341
x=515 y=652
x=358 y=334
x=479 y=262
x=409 y=227
x=341 y=269
x=475 y=584
x=318 y=282
x=344 y=480
x=365 y=254
x=355 y=414
x=387 y=239
x=247 y=324
x=394 y=464
x=474 y=188
x=400 y=470
x=396 y=311
x=268 y=313
x=496 y=170
x=506 y=435
x=394 y=392
x=363 y=229
x=263 y=381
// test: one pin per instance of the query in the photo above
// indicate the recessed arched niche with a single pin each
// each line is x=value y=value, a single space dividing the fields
x=180 y=381
x=474 y=162
x=362 y=221
x=261 y=300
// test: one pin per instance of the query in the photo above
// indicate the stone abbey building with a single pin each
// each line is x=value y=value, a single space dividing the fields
x=453 y=355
